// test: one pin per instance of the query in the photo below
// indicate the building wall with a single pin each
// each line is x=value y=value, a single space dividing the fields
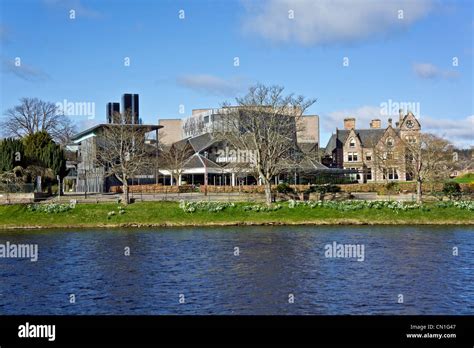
x=310 y=129
x=382 y=162
x=198 y=111
x=171 y=131
x=383 y=158
x=90 y=177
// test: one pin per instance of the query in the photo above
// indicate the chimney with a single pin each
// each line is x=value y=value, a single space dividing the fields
x=390 y=122
x=375 y=123
x=400 y=115
x=349 y=123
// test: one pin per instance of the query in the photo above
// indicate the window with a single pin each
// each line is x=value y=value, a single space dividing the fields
x=392 y=174
x=206 y=119
x=368 y=156
x=369 y=173
x=389 y=141
x=352 y=157
x=411 y=139
x=388 y=155
x=352 y=143
x=353 y=176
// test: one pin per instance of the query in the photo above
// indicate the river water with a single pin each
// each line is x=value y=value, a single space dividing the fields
x=241 y=270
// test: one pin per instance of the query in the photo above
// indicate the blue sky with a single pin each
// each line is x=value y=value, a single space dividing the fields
x=393 y=56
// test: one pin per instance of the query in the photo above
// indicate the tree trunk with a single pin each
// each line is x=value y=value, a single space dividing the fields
x=419 y=192
x=126 y=193
x=268 y=191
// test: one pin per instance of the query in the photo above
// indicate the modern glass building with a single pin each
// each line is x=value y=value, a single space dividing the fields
x=113 y=112
x=130 y=108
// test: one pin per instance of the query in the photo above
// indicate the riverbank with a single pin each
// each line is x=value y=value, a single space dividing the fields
x=158 y=214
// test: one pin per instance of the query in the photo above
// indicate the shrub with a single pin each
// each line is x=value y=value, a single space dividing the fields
x=452 y=189
x=328 y=188
x=392 y=187
x=285 y=188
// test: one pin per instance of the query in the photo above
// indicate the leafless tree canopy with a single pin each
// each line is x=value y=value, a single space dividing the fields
x=34 y=115
x=123 y=151
x=429 y=159
x=265 y=123
x=174 y=157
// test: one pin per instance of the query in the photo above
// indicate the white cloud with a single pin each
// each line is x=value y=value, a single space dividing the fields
x=330 y=21
x=213 y=85
x=430 y=71
x=459 y=131
x=363 y=116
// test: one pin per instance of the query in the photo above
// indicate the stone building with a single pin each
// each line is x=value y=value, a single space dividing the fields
x=375 y=154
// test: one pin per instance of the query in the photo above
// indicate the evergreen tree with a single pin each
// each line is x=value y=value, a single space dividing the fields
x=41 y=150
x=35 y=145
x=11 y=154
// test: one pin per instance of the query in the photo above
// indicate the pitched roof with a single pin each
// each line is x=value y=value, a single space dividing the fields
x=331 y=145
x=200 y=142
x=199 y=161
x=367 y=137
x=308 y=147
x=311 y=165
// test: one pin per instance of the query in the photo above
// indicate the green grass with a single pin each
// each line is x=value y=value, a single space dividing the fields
x=168 y=213
x=465 y=179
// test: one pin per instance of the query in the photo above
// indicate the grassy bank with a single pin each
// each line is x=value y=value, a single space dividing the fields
x=465 y=179
x=169 y=214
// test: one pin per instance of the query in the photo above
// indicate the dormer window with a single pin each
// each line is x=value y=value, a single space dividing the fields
x=390 y=142
x=352 y=142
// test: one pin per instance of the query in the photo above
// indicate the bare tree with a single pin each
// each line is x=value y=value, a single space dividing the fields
x=429 y=159
x=463 y=160
x=123 y=152
x=264 y=123
x=34 y=115
x=174 y=157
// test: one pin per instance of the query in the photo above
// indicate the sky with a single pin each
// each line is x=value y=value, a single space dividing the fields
x=360 y=59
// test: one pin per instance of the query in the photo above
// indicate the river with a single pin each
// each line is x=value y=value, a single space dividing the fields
x=241 y=270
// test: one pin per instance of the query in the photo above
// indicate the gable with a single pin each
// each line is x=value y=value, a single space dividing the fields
x=389 y=133
x=410 y=122
x=352 y=135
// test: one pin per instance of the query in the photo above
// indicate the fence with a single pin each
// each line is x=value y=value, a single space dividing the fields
x=159 y=188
